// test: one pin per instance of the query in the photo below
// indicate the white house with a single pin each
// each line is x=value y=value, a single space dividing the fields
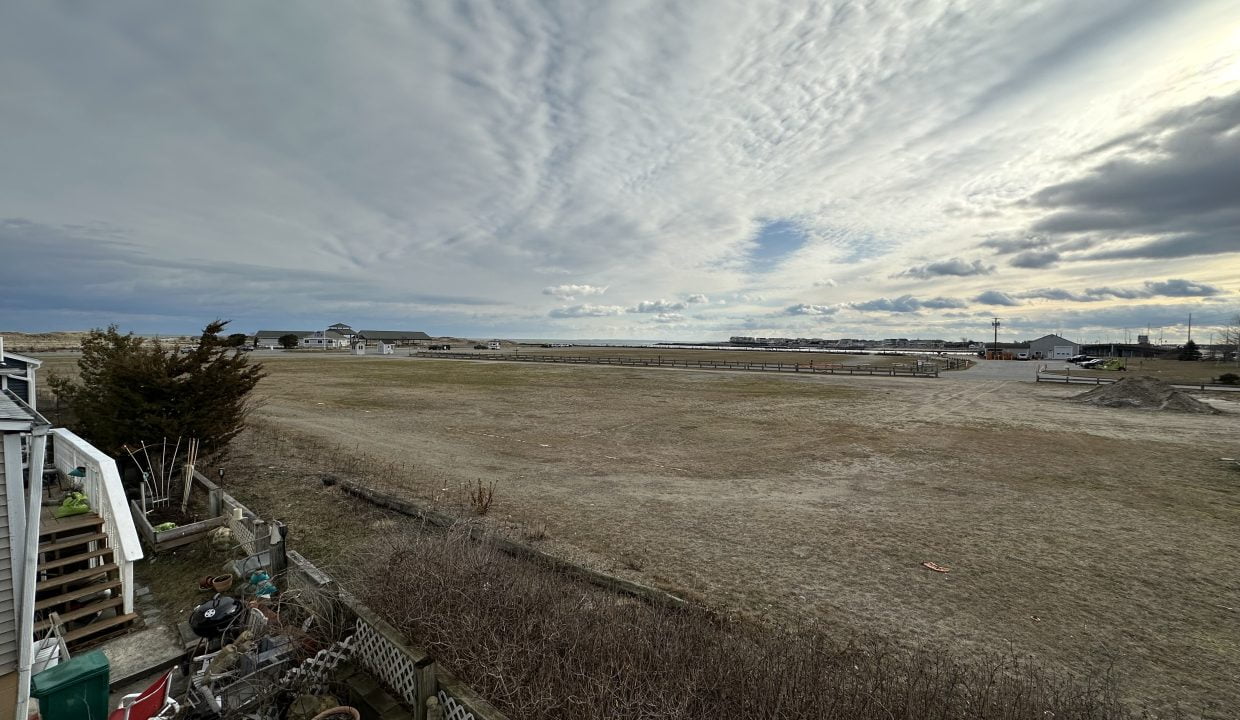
x=325 y=340
x=17 y=373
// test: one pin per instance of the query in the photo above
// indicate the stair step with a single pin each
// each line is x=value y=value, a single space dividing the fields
x=61 y=562
x=74 y=577
x=81 y=612
x=77 y=593
x=73 y=522
x=73 y=541
x=99 y=626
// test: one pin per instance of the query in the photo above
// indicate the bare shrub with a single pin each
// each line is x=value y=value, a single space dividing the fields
x=480 y=498
x=542 y=645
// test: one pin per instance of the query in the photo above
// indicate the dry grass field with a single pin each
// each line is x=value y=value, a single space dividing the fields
x=1095 y=539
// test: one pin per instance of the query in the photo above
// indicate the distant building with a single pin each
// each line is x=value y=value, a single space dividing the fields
x=342 y=329
x=17 y=375
x=1053 y=347
x=395 y=337
x=324 y=340
x=271 y=338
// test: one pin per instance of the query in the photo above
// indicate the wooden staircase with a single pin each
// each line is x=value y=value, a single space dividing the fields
x=79 y=580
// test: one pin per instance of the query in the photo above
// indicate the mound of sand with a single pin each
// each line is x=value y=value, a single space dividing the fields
x=1144 y=393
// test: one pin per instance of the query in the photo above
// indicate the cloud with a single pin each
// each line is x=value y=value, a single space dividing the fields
x=907 y=304
x=954 y=267
x=994 y=297
x=657 y=306
x=1008 y=244
x=571 y=292
x=1035 y=259
x=1059 y=294
x=810 y=309
x=580 y=311
x=1175 y=287
x=1168 y=190
x=732 y=150
x=697 y=298
x=669 y=318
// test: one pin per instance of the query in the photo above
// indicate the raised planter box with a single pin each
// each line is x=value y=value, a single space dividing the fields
x=177 y=536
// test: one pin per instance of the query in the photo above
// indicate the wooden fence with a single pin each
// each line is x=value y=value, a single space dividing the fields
x=914 y=369
x=1069 y=379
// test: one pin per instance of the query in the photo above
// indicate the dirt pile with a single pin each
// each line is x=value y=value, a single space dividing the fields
x=1144 y=393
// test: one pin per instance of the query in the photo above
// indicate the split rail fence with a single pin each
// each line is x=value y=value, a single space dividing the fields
x=915 y=369
x=1068 y=378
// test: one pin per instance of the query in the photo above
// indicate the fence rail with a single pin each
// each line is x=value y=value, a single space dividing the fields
x=1069 y=379
x=918 y=369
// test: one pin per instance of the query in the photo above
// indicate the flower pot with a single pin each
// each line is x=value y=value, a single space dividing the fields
x=222 y=583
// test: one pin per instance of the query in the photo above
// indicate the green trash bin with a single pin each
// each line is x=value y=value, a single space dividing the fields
x=73 y=690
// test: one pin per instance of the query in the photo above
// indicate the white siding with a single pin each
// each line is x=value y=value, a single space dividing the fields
x=8 y=618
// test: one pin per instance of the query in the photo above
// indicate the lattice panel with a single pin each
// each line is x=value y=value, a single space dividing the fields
x=386 y=662
x=311 y=674
x=242 y=534
x=453 y=710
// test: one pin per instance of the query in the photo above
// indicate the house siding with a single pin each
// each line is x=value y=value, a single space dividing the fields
x=8 y=615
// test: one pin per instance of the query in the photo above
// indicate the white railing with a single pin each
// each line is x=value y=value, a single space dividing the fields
x=102 y=485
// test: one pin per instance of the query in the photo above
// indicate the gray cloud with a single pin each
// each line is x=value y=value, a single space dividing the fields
x=810 y=309
x=1169 y=191
x=1175 y=287
x=657 y=306
x=954 y=267
x=570 y=292
x=1008 y=244
x=581 y=311
x=994 y=297
x=907 y=304
x=1059 y=294
x=697 y=298
x=1035 y=259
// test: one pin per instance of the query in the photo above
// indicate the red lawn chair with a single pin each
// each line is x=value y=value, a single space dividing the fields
x=154 y=703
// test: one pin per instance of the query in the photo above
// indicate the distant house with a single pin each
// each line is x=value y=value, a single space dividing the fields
x=271 y=338
x=1053 y=347
x=17 y=375
x=396 y=337
x=343 y=329
x=324 y=340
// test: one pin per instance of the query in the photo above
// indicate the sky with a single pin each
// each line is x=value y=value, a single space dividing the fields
x=680 y=170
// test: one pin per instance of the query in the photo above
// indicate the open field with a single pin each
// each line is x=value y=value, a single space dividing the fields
x=1091 y=538
x=1171 y=371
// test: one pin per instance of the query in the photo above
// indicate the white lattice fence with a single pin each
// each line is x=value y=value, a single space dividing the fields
x=453 y=710
x=312 y=674
x=386 y=661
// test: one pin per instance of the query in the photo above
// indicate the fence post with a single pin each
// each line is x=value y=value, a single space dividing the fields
x=427 y=685
x=214 y=502
x=278 y=533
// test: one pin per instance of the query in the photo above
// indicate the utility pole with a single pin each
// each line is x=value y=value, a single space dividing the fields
x=1190 y=327
x=995 y=324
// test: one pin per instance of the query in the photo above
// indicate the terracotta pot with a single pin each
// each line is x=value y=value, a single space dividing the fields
x=222 y=583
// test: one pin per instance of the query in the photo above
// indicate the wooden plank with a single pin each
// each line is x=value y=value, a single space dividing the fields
x=80 y=612
x=55 y=526
x=72 y=542
x=78 y=593
x=74 y=558
x=74 y=577
x=99 y=626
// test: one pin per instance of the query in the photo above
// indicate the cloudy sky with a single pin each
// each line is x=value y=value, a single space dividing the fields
x=622 y=169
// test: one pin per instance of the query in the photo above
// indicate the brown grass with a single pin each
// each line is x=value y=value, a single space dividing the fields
x=541 y=646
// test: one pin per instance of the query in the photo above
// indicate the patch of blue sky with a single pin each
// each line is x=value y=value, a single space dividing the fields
x=775 y=241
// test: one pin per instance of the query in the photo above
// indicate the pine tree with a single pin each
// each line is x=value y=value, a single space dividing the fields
x=1190 y=351
x=131 y=390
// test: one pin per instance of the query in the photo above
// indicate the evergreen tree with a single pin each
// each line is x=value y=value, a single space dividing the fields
x=1190 y=351
x=131 y=390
